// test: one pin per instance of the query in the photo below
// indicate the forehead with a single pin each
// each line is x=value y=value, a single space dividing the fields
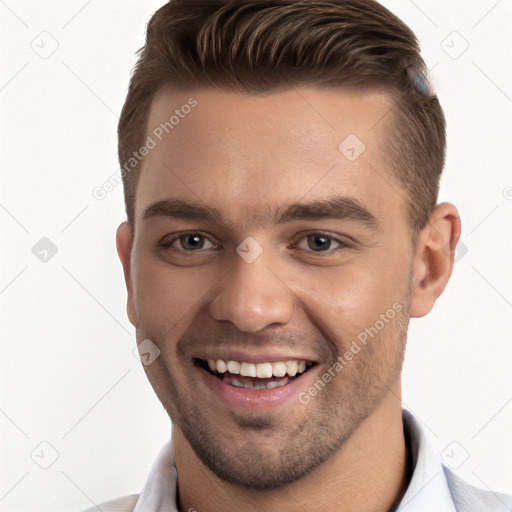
x=249 y=154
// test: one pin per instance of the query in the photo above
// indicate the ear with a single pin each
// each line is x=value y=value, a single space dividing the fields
x=434 y=257
x=124 y=244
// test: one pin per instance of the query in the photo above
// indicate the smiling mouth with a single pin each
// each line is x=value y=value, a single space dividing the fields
x=264 y=375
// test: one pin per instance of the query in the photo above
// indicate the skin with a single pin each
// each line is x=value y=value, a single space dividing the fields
x=247 y=156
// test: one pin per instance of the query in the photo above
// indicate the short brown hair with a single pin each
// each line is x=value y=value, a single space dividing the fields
x=256 y=46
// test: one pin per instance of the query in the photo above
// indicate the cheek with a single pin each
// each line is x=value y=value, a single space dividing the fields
x=166 y=296
x=161 y=299
x=351 y=298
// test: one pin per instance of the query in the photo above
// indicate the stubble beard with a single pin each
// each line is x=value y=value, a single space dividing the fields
x=295 y=447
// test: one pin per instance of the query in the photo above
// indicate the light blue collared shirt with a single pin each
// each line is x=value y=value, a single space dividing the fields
x=428 y=489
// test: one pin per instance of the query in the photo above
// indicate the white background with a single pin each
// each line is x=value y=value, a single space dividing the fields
x=68 y=374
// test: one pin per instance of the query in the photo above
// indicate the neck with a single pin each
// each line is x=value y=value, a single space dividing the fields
x=369 y=472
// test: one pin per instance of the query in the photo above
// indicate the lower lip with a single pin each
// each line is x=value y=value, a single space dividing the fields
x=260 y=399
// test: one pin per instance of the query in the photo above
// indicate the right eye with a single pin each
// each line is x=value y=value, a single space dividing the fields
x=188 y=242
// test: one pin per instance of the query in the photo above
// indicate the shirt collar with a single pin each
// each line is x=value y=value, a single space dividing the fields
x=159 y=493
x=427 y=491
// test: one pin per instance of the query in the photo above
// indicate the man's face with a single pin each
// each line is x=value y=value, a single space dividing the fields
x=257 y=240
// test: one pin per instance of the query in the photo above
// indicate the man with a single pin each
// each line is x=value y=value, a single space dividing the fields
x=281 y=164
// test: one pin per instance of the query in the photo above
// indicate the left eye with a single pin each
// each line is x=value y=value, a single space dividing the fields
x=320 y=243
x=190 y=242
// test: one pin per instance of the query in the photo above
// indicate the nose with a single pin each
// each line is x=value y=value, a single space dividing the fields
x=252 y=297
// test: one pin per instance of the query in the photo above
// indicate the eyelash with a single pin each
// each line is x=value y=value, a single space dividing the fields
x=342 y=244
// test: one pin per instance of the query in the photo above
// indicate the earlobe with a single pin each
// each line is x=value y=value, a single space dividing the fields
x=434 y=257
x=124 y=244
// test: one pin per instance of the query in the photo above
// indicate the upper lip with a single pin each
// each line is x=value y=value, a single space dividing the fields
x=255 y=356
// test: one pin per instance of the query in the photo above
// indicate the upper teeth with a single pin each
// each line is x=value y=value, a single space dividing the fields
x=261 y=370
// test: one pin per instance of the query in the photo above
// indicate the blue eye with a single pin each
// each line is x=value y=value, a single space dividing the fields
x=190 y=242
x=320 y=243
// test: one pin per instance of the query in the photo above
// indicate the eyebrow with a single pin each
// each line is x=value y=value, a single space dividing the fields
x=338 y=207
